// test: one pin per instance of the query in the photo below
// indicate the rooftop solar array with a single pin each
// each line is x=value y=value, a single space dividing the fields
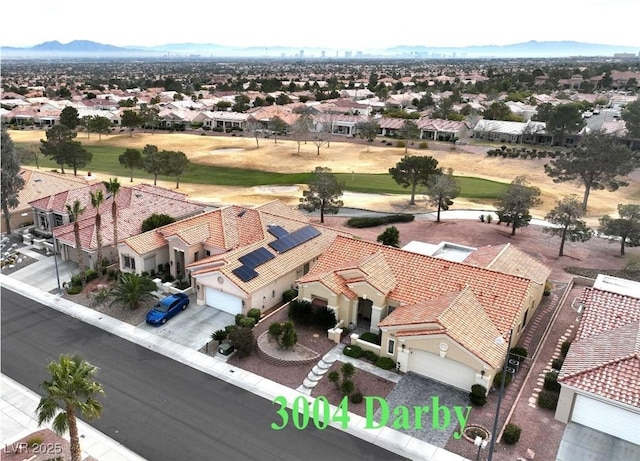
x=256 y=257
x=294 y=239
x=245 y=273
x=277 y=231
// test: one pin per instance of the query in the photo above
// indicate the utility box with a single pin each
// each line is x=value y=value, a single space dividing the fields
x=226 y=349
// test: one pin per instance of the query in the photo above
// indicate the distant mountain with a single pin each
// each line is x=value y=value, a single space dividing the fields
x=531 y=49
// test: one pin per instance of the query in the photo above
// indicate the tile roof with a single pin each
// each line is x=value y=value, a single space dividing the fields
x=135 y=204
x=40 y=184
x=422 y=278
x=509 y=260
x=605 y=357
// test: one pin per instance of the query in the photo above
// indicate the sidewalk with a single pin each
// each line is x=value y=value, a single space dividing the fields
x=385 y=437
x=17 y=412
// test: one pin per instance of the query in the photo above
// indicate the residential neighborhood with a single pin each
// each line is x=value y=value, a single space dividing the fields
x=307 y=300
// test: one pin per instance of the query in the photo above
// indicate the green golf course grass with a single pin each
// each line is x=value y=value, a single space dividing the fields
x=105 y=160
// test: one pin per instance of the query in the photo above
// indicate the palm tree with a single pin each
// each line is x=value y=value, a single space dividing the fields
x=70 y=389
x=97 y=198
x=133 y=290
x=74 y=211
x=113 y=187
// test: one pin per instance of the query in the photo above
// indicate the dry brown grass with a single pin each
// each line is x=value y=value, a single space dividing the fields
x=347 y=157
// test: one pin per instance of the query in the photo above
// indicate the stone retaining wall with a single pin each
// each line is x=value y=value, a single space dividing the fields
x=280 y=361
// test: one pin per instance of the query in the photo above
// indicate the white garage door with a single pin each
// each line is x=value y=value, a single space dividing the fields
x=444 y=370
x=607 y=418
x=223 y=301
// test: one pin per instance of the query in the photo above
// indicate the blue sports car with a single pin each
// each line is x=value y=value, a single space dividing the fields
x=167 y=308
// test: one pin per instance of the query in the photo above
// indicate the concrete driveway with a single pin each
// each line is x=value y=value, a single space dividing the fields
x=193 y=327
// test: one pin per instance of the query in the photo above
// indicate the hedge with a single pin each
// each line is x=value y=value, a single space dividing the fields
x=512 y=433
x=374 y=221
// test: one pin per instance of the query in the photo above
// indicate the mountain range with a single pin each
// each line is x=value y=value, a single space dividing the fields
x=531 y=49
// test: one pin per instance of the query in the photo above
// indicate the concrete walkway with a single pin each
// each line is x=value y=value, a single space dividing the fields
x=385 y=437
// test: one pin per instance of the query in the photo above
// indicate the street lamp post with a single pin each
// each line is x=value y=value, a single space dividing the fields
x=55 y=262
x=494 y=433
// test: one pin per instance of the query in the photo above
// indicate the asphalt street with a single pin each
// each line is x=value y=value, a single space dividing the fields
x=158 y=407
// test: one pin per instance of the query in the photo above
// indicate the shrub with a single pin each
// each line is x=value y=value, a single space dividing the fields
x=144 y=274
x=548 y=399
x=551 y=382
x=478 y=395
x=390 y=237
x=247 y=322
x=481 y=218
x=423 y=145
x=497 y=381
x=557 y=364
x=374 y=221
x=301 y=311
x=400 y=144
x=255 y=314
x=74 y=290
x=520 y=351
x=353 y=351
x=489 y=218
x=334 y=377
x=242 y=339
x=230 y=328
x=35 y=440
x=386 y=363
x=275 y=330
x=347 y=387
x=564 y=349
x=169 y=278
x=90 y=274
x=289 y=295
x=324 y=318
x=370 y=356
x=289 y=336
x=219 y=335
x=547 y=289
x=512 y=433
x=238 y=318
x=370 y=338
x=76 y=281
x=356 y=397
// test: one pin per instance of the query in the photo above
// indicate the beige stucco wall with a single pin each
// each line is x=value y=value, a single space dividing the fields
x=565 y=404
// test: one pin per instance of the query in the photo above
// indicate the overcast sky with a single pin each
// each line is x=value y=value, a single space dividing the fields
x=332 y=24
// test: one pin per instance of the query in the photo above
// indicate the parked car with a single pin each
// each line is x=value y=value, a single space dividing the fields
x=167 y=307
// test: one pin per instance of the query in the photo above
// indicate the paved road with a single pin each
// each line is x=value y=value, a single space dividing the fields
x=162 y=409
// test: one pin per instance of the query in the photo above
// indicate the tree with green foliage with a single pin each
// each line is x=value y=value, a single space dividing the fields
x=133 y=290
x=567 y=223
x=441 y=190
x=131 y=120
x=131 y=158
x=150 y=116
x=69 y=117
x=99 y=124
x=241 y=103
x=152 y=161
x=59 y=138
x=74 y=211
x=70 y=389
x=514 y=204
x=242 y=339
x=597 y=164
x=368 y=129
x=77 y=156
x=12 y=182
x=626 y=226
x=156 y=220
x=174 y=164
x=113 y=188
x=413 y=171
x=97 y=198
x=499 y=110
x=390 y=237
x=323 y=194
x=543 y=112
x=631 y=116
x=409 y=130
x=565 y=119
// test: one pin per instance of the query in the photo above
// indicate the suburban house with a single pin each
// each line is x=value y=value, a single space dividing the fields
x=221 y=120
x=443 y=130
x=135 y=204
x=39 y=184
x=529 y=132
x=238 y=258
x=600 y=377
x=438 y=317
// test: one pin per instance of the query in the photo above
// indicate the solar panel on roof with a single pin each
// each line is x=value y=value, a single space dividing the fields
x=245 y=273
x=294 y=239
x=256 y=257
x=277 y=231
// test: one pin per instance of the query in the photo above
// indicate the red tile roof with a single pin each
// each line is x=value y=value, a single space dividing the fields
x=420 y=278
x=605 y=357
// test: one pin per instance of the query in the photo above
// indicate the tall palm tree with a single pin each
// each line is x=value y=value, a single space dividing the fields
x=97 y=198
x=74 y=211
x=113 y=187
x=70 y=389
